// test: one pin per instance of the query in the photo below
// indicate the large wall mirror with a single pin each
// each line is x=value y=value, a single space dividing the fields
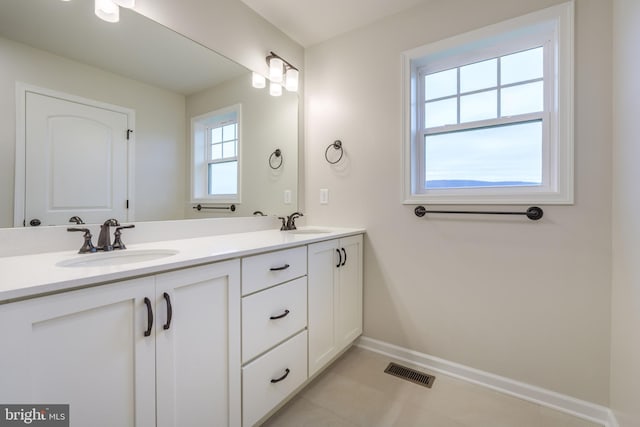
x=61 y=52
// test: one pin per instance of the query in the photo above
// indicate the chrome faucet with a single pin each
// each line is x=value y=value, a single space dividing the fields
x=290 y=222
x=104 y=239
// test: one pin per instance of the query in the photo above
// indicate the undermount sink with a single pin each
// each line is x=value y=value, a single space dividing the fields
x=310 y=231
x=118 y=257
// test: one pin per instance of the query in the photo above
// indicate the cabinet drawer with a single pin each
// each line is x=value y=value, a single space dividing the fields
x=273 y=315
x=259 y=393
x=265 y=270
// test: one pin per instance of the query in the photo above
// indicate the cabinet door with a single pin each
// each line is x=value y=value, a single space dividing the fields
x=349 y=292
x=198 y=351
x=322 y=276
x=84 y=348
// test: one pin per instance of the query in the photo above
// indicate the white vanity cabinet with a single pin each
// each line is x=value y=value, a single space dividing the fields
x=198 y=349
x=105 y=350
x=274 y=336
x=335 y=298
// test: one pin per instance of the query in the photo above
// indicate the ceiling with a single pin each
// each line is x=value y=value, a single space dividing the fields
x=136 y=47
x=309 y=22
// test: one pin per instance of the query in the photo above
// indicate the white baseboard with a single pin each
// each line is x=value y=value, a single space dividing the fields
x=579 y=408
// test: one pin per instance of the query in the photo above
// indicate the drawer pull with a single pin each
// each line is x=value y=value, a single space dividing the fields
x=169 y=311
x=284 y=267
x=147 y=301
x=345 y=258
x=339 y=258
x=286 y=312
x=286 y=373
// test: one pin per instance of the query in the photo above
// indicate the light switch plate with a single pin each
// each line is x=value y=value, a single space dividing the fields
x=287 y=197
x=324 y=196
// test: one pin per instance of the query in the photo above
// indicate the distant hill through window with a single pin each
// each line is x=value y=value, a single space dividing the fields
x=464 y=183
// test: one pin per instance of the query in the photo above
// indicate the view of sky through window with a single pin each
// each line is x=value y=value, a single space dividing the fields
x=500 y=150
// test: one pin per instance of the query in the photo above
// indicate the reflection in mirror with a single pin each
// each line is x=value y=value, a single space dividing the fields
x=160 y=81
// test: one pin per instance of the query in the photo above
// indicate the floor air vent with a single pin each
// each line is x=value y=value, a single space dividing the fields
x=409 y=374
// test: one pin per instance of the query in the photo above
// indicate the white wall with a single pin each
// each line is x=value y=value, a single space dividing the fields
x=625 y=342
x=159 y=129
x=267 y=123
x=526 y=300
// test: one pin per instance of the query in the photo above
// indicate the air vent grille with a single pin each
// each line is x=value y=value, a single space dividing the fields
x=411 y=375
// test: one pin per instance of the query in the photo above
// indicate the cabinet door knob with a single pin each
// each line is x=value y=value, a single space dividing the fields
x=345 y=257
x=286 y=312
x=169 y=311
x=339 y=258
x=286 y=373
x=147 y=301
x=284 y=267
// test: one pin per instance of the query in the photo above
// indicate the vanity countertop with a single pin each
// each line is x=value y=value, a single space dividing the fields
x=28 y=276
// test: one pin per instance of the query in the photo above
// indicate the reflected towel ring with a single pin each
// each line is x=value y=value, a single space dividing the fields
x=278 y=154
x=337 y=145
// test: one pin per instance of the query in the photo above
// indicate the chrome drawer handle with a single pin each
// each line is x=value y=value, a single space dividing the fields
x=286 y=312
x=286 y=373
x=284 y=267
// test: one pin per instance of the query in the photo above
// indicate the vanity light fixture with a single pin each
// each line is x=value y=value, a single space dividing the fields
x=291 y=79
x=281 y=73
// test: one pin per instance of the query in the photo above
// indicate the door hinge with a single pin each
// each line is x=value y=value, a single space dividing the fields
x=129 y=132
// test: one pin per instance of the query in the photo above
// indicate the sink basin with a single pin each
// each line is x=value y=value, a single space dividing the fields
x=118 y=257
x=310 y=231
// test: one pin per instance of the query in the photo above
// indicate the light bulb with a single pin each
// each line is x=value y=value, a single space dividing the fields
x=107 y=10
x=275 y=89
x=291 y=80
x=258 y=81
x=275 y=69
x=125 y=3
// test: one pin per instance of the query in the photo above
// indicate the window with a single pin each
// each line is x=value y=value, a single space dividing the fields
x=489 y=114
x=216 y=156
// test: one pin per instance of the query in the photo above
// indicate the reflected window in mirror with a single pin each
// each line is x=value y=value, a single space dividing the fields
x=216 y=156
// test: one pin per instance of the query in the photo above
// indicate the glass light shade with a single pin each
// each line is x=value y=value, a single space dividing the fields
x=291 y=80
x=258 y=81
x=107 y=10
x=275 y=69
x=125 y=3
x=275 y=89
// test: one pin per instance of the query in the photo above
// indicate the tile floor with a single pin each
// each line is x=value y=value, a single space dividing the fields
x=355 y=391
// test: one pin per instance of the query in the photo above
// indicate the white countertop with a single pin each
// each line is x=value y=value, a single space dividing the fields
x=28 y=276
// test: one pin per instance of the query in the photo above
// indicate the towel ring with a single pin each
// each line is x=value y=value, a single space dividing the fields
x=337 y=145
x=277 y=154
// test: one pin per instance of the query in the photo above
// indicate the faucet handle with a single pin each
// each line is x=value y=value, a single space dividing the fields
x=284 y=223
x=76 y=219
x=87 y=246
x=117 y=240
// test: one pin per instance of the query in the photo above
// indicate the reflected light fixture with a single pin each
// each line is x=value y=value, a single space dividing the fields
x=107 y=10
x=258 y=81
x=281 y=73
x=275 y=89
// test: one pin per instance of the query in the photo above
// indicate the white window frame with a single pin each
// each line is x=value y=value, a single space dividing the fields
x=200 y=155
x=552 y=27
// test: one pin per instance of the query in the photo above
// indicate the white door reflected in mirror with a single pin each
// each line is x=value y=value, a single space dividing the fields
x=76 y=161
